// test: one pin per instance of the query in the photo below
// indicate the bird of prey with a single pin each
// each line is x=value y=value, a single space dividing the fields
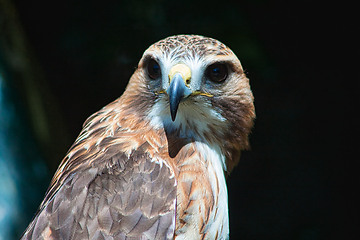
x=153 y=163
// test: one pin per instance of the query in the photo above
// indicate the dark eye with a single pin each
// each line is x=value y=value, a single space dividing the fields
x=217 y=72
x=153 y=69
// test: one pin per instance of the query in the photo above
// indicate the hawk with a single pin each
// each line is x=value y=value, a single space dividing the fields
x=152 y=164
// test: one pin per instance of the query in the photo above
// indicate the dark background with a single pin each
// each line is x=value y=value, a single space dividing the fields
x=297 y=180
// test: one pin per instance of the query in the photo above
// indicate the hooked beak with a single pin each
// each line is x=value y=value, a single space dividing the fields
x=179 y=77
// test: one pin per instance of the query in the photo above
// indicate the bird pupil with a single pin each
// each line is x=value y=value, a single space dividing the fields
x=217 y=72
x=154 y=70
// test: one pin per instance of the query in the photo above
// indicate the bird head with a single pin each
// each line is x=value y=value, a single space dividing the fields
x=197 y=87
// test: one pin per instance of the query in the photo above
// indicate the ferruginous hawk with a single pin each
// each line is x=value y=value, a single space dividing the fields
x=152 y=164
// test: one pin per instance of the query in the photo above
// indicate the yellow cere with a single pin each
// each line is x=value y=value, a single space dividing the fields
x=184 y=70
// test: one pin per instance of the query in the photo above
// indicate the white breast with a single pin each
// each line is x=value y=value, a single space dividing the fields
x=218 y=223
x=219 y=218
x=199 y=116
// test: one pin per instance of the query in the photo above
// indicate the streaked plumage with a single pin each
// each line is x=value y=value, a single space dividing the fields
x=139 y=170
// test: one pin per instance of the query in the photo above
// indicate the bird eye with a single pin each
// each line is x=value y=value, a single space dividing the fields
x=153 y=69
x=217 y=72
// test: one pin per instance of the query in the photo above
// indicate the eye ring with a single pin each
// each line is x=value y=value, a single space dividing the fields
x=153 y=69
x=217 y=72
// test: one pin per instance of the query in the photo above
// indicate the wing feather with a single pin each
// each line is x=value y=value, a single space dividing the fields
x=132 y=199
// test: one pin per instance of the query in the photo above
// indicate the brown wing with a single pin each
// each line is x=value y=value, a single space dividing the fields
x=134 y=198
